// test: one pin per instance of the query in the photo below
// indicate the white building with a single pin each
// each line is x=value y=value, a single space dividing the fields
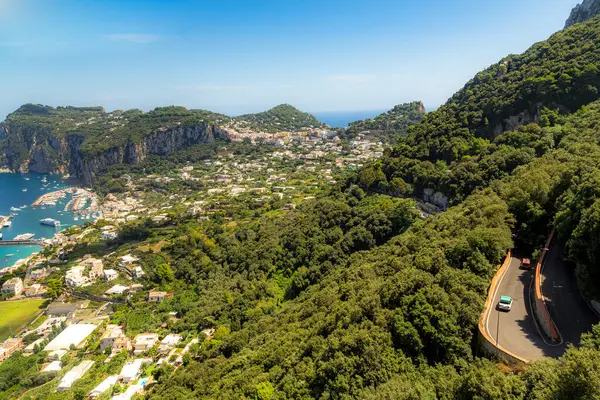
x=74 y=276
x=104 y=386
x=96 y=267
x=110 y=274
x=108 y=235
x=117 y=289
x=168 y=343
x=74 y=375
x=112 y=333
x=132 y=370
x=127 y=259
x=138 y=272
x=72 y=335
x=53 y=366
x=143 y=342
x=12 y=287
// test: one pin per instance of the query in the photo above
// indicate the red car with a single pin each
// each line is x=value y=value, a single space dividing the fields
x=525 y=263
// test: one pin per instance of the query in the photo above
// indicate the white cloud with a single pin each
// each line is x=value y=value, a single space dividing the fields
x=351 y=78
x=136 y=38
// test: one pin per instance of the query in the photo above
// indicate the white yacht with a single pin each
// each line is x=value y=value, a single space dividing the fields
x=50 y=222
x=24 y=236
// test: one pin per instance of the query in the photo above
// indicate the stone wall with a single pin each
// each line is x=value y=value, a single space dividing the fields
x=538 y=303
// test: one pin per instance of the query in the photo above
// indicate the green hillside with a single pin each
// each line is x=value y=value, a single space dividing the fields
x=457 y=147
x=392 y=124
x=283 y=117
x=381 y=310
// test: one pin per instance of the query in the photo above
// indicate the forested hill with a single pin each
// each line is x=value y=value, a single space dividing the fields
x=452 y=150
x=283 y=117
x=582 y=12
x=392 y=124
x=379 y=305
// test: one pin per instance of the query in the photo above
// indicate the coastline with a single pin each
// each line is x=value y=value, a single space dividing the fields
x=23 y=190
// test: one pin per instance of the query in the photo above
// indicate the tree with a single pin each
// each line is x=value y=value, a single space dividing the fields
x=165 y=273
x=54 y=288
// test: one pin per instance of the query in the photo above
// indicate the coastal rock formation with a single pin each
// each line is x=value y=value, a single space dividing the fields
x=582 y=12
x=160 y=143
x=39 y=150
x=84 y=141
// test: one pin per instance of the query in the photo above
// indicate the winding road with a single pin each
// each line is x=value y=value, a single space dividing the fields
x=517 y=332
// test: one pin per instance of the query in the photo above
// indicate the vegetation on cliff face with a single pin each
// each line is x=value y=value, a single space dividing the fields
x=398 y=319
x=390 y=125
x=46 y=139
x=460 y=146
x=51 y=136
x=283 y=117
x=351 y=296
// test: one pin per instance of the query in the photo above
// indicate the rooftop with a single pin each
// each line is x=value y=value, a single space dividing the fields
x=72 y=335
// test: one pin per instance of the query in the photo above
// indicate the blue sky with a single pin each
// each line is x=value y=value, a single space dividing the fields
x=237 y=56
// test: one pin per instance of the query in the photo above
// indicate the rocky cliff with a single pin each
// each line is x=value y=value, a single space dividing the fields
x=37 y=149
x=162 y=143
x=582 y=12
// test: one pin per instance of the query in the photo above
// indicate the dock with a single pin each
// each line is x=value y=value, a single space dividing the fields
x=21 y=242
x=3 y=219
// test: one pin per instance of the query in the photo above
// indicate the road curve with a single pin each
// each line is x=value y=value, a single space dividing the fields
x=567 y=308
x=516 y=331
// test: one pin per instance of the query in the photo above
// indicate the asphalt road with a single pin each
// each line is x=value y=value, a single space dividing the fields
x=567 y=308
x=516 y=330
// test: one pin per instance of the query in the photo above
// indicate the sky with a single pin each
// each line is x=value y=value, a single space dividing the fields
x=241 y=56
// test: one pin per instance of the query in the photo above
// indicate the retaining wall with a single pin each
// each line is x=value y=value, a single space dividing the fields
x=540 y=310
x=484 y=339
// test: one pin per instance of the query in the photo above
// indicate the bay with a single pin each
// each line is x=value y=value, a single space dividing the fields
x=342 y=119
x=18 y=190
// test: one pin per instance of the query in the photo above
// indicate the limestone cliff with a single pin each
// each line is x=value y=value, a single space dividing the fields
x=41 y=151
x=582 y=12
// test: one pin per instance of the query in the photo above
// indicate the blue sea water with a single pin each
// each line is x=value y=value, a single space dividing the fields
x=341 y=119
x=17 y=190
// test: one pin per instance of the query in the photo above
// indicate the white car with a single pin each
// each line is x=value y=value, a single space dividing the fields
x=505 y=303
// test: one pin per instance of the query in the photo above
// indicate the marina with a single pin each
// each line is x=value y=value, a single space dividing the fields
x=47 y=207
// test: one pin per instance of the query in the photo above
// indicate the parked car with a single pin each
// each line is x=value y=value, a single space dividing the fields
x=525 y=263
x=505 y=303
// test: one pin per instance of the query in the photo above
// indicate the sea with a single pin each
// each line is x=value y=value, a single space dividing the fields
x=20 y=191
x=341 y=119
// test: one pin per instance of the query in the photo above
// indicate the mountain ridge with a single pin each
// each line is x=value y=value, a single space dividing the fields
x=83 y=141
x=391 y=124
x=283 y=117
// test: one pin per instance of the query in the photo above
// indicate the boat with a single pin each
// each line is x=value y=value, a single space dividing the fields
x=7 y=224
x=9 y=255
x=0 y=235
x=44 y=179
x=15 y=209
x=26 y=179
x=50 y=222
x=24 y=237
x=24 y=190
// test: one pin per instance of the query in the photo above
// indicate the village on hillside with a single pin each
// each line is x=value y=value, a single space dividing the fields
x=78 y=296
